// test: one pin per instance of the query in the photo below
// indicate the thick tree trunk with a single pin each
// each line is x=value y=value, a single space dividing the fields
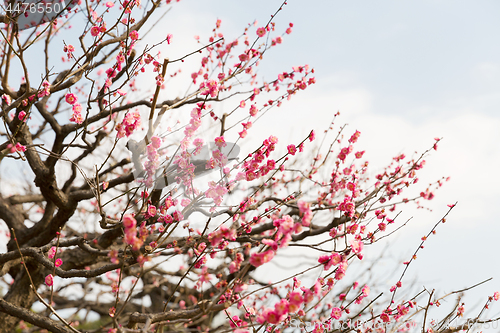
x=21 y=295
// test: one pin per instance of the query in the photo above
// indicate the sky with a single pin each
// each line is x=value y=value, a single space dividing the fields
x=402 y=73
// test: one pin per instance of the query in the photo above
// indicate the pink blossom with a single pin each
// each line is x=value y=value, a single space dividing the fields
x=151 y=210
x=258 y=259
x=52 y=252
x=220 y=142
x=18 y=147
x=134 y=35
x=209 y=88
x=242 y=134
x=385 y=317
x=6 y=99
x=356 y=246
x=58 y=262
x=177 y=216
x=312 y=136
x=156 y=141
x=306 y=212
x=129 y=221
x=71 y=98
x=330 y=260
x=21 y=115
x=46 y=89
x=496 y=295
x=366 y=291
x=354 y=137
x=109 y=4
x=77 y=107
x=291 y=149
x=296 y=298
x=359 y=154
x=76 y=118
x=130 y=123
x=77 y=115
x=49 y=280
x=94 y=31
x=261 y=32
x=272 y=317
x=336 y=313
x=253 y=110
x=281 y=307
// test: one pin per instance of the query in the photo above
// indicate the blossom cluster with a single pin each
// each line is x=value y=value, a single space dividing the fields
x=255 y=168
x=77 y=108
x=153 y=161
x=130 y=123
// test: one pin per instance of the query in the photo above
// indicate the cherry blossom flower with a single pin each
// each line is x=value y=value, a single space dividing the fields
x=134 y=35
x=356 y=246
x=281 y=307
x=49 y=280
x=261 y=32
x=253 y=110
x=336 y=313
x=94 y=31
x=77 y=115
x=46 y=89
x=312 y=136
x=354 y=137
x=71 y=98
x=385 y=317
x=272 y=317
x=52 y=252
x=130 y=123
x=220 y=142
x=330 y=260
x=58 y=262
x=21 y=116
x=6 y=98
x=129 y=221
x=306 y=212
x=258 y=259
x=17 y=147
x=359 y=154
x=209 y=88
